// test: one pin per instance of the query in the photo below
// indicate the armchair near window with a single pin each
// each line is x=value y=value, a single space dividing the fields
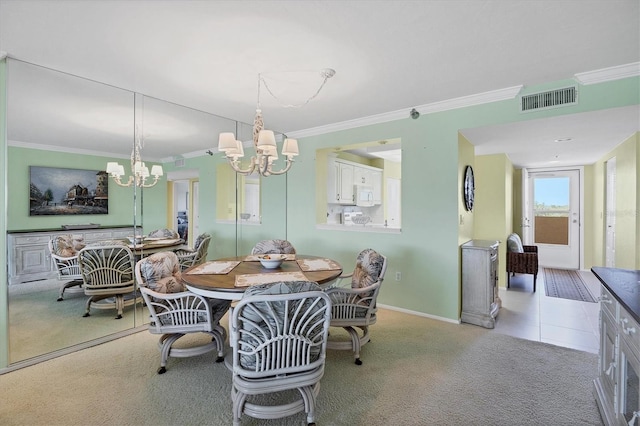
x=194 y=256
x=521 y=259
x=278 y=334
x=107 y=273
x=355 y=307
x=64 y=256
x=176 y=312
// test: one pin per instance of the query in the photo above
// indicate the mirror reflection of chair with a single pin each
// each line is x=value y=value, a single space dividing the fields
x=521 y=259
x=355 y=307
x=64 y=256
x=164 y=233
x=108 y=277
x=194 y=256
x=273 y=247
x=278 y=335
x=176 y=312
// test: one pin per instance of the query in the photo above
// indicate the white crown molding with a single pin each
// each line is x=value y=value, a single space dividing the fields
x=609 y=74
x=464 y=101
x=3 y=54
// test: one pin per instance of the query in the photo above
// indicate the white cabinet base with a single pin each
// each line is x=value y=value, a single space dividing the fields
x=480 y=301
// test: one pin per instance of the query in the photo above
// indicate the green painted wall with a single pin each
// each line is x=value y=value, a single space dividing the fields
x=494 y=194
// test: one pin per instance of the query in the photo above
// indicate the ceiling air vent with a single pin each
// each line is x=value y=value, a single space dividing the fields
x=550 y=99
x=179 y=162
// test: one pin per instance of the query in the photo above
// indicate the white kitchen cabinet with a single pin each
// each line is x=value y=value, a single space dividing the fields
x=376 y=183
x=343 y=175
x=340 y=183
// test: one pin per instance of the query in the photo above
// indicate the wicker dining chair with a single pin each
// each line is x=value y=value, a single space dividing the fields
x=278 y=335
x=108 y=277
x=354 y=307
x=176 y=312
x=189 y=257
x=63 y=250
x=273 y=246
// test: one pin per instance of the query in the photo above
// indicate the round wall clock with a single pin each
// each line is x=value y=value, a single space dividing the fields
x=469 y=188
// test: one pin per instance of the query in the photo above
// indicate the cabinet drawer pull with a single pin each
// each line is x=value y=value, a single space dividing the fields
x=626 y=330
x=605 y=299
x=609 y=371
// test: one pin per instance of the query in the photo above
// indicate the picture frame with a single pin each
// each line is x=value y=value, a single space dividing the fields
x=65 y=191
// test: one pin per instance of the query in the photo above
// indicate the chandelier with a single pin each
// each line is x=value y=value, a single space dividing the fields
x=264 y=140
x=139 y=171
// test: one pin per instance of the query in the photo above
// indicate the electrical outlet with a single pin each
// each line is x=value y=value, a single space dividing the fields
x=398 y=276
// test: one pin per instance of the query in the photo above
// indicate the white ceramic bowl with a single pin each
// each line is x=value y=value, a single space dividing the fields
x=271 y=261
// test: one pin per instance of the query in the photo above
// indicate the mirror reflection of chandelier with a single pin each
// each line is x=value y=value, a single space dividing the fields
x=139 y=171
x=264 y=140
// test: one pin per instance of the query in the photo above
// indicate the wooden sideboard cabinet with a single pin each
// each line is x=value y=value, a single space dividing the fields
x=28 y=252
x=480 y=301
x=617 y=384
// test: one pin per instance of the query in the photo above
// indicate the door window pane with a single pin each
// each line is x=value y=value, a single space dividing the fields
x=551 y=210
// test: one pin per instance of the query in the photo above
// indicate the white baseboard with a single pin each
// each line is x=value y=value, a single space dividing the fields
x=420 y=314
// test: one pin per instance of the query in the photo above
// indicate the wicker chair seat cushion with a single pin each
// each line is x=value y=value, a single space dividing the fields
x=368 y=268
x=257 y=318
x=514 y=244
x=161 y=273
x=67 y=245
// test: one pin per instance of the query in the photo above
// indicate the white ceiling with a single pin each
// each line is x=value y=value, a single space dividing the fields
x=388 y=56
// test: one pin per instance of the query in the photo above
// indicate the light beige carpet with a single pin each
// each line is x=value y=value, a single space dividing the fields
x=416 y=371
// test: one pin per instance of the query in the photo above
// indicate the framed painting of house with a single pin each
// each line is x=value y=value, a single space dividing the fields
x=61 y=191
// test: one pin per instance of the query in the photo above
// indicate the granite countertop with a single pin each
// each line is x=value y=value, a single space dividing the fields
x=624 y=285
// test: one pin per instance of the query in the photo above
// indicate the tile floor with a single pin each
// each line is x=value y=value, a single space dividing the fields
x=562 y=322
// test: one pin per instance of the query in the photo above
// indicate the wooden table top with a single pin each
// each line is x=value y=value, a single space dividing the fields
x=215 y=284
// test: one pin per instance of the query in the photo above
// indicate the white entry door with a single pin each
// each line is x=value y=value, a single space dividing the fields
x=555 y=207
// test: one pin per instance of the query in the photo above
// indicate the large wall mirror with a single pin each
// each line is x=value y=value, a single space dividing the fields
x=47 y=109
x=66 y=122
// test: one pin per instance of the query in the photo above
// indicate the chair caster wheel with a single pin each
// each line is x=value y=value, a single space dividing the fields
x=119 y=317
x=162 y=370
x=60 y=299
x=358 y=362
x=86 y=315
x=220 y=359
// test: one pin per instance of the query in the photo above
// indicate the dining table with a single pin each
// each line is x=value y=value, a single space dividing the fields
x=229 y=277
